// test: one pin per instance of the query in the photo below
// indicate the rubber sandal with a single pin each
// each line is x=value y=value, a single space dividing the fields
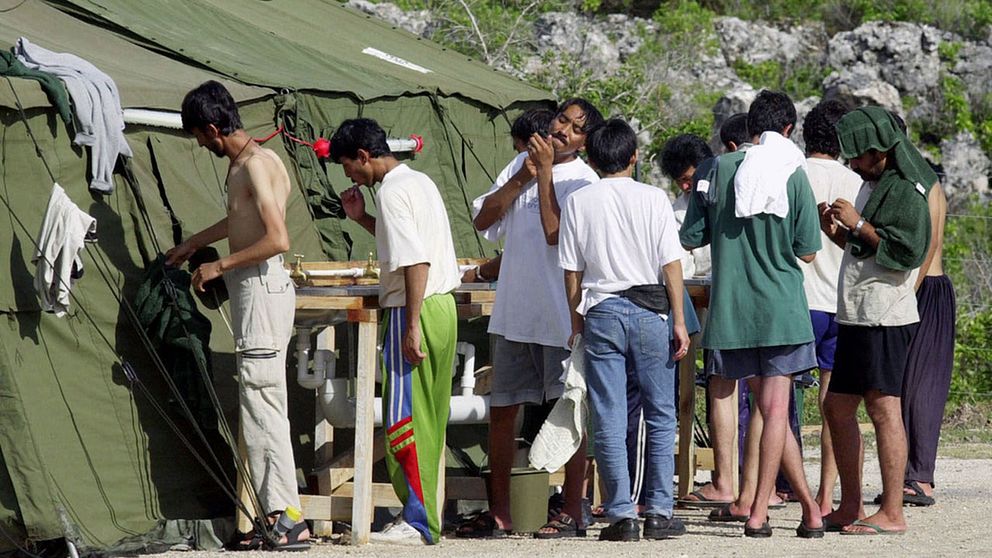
x=482 y=526
x=872 y=530
x=805 y=532
x=699 y=500
x=918 y=497
x=762 y=532
x=564 y=527
x=723 y=515
x=293 y=542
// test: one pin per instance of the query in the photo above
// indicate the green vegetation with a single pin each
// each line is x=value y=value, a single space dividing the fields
x=799 y=79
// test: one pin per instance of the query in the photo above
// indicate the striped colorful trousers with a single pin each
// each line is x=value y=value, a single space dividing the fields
x=416 y=402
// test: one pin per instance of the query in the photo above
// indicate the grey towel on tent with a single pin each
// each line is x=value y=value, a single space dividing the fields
x=99 y=117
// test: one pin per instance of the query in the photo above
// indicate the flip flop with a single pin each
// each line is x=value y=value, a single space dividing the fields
x=872 y=530
x=293 y=542
x=483 y=526
x=805 y=532
x=762 y=532
x=564 y=527
x=918 y=497
x=724 y=515
x=701 y=501
x=833 y=527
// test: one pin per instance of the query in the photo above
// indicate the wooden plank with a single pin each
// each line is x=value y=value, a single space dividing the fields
x=474 y=310
x=243 y=521
x=363 y=316
x=342 y=468
x=705 y=459
x=361 y=515
x=383 y=494
x=735 y=462
x=325 y=508
x=685 y=465
x=312 y=302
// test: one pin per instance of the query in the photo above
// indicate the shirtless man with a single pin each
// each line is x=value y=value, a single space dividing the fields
x=927 y=379
x=262 y=295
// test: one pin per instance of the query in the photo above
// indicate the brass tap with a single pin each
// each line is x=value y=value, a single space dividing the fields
x=296 y=271
x=371 y=271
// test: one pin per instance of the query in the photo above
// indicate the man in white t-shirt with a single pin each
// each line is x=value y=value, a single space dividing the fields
x=680 y=157
x=418 y=271
x=830 y=180
x=619 y=241
x=530 y=315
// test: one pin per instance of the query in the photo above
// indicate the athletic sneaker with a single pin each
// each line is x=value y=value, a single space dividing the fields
x=398 y=532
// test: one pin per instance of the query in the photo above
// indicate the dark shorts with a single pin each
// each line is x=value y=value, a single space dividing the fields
x=781 y=360
x=871 y=358
x=825 y=331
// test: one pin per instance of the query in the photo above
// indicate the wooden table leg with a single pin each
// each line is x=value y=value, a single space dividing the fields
x=243 y=521
x=361 y=515
x=735 y=463
x=686 y=465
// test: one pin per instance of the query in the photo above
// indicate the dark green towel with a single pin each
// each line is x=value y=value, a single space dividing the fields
x=12 y=67
x=180 y=334
x=897 y=208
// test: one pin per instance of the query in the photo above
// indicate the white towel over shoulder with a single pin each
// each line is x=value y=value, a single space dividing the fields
x=760 y=182
x=561 y=434
x=63 y=232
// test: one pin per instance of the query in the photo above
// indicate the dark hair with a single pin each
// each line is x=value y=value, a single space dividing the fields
x=819 y=133
x=534 y=121
x=611 y=145
x=594 y=118
x=210 y=103
x=355 y=134
x=734 y=129
x=681 y=152
x=771 y=111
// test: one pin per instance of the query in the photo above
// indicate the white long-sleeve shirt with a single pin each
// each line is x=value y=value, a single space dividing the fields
x=61 y=239
x=99 y=117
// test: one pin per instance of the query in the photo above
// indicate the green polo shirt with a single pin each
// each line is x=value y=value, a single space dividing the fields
x=757 y=297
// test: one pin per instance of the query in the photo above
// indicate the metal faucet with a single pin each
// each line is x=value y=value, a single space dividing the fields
x=296 y=271
x=370 y=269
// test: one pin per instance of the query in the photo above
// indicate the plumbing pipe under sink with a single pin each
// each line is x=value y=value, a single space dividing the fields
x=339 y=405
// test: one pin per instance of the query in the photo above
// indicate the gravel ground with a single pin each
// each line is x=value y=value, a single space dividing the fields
x=955 y=526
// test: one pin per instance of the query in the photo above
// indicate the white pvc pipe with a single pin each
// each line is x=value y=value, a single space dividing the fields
x=156 y=118
x=304 y=377
x=468 y=369
x=339 y=408
x=397 y=144
x=351 y=272
x=174 y=120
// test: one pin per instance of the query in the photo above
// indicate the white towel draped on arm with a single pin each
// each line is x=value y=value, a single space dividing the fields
x=760 y=182
x=63 y=232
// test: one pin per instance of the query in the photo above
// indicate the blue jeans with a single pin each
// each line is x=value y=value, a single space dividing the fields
x=622 y=337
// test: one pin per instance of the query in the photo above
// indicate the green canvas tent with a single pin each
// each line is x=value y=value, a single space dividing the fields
x=85 y=453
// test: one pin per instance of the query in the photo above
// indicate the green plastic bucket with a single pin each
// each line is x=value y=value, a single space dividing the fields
x=528 y=499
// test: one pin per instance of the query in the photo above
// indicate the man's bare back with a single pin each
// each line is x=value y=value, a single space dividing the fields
x=257 y=183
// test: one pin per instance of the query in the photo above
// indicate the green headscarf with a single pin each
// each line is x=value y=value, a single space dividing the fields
x=897 y=207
